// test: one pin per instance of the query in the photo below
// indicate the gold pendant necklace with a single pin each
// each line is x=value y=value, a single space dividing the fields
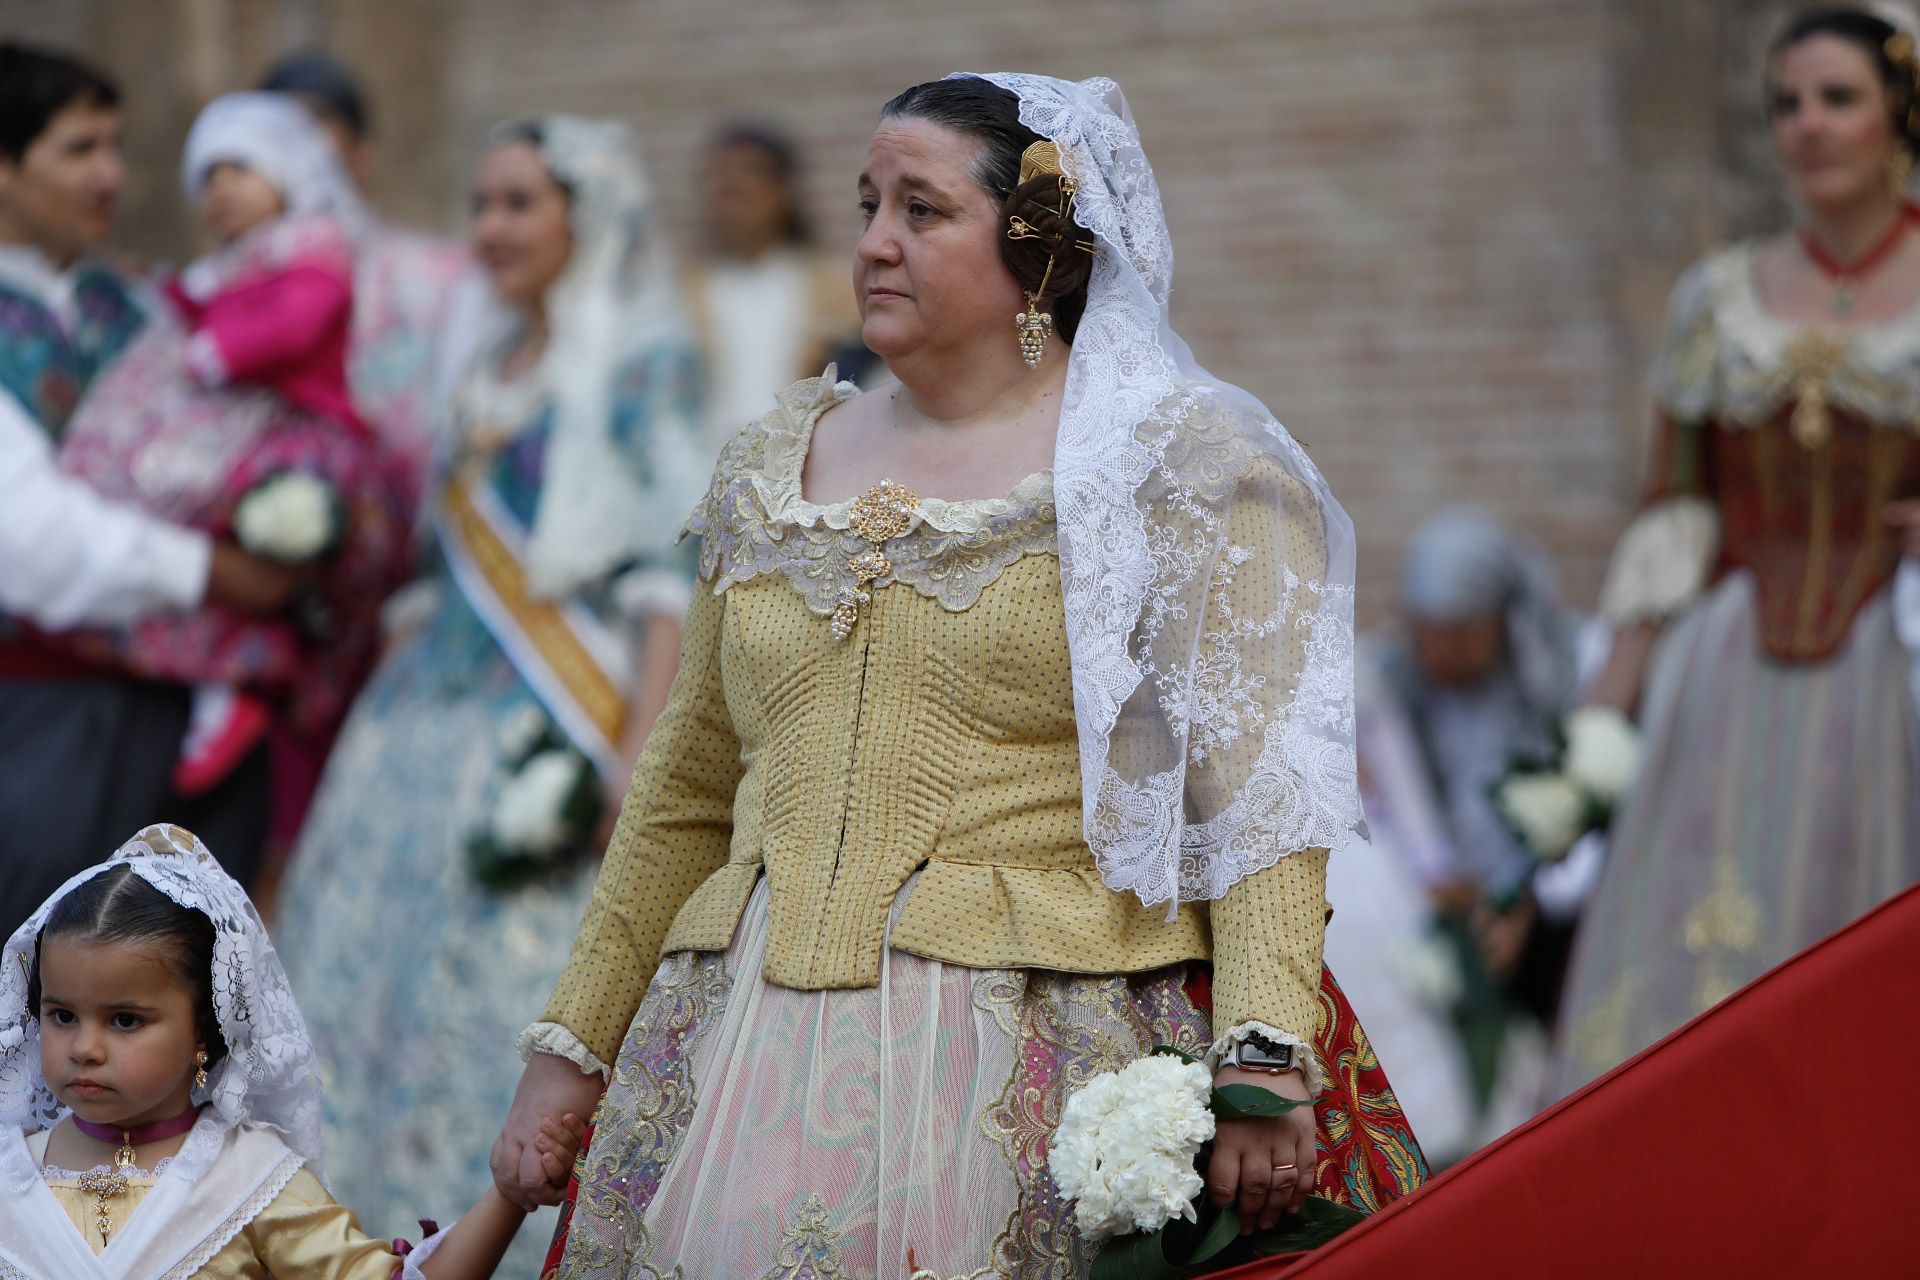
x=105 y=1184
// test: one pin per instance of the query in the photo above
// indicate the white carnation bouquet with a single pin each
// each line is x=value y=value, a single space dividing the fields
x=547 y=803
x=1129 y=1151
x=1550 y=806
x=294 y=517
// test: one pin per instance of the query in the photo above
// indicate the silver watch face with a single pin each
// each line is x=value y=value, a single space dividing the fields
x=1260 y=1053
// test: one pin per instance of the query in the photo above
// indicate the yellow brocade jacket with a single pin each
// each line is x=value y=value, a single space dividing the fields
x=937 y=737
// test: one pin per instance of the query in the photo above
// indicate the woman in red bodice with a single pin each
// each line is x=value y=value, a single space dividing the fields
x=1768 y=595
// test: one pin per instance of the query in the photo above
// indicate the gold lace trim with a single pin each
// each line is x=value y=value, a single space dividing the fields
x=810 y=1248
x=754 y=521
x=1727 y=358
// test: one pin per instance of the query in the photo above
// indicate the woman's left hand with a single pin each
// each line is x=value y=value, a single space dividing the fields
x=1268 y=1164
x=1904 y=518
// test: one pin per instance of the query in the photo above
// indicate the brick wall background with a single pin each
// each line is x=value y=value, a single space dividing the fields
x=1434 y=235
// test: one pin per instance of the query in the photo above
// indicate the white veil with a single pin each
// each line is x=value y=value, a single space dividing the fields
x=617 y=298
x=267 y=1076
x=277 y=138
x=1208 y=571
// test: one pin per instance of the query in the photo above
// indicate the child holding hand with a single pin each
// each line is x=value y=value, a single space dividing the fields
x=159 y=1114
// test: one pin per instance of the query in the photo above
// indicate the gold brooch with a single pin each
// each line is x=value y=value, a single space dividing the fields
x=882 y=512
x=1812 y=359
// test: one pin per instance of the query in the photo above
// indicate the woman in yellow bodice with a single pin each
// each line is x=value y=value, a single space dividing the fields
x=960 y=800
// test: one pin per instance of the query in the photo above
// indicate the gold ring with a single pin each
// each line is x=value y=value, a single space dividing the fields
x=1284 y=1168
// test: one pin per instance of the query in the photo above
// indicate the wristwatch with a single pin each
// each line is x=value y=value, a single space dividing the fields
x=1257 y=1053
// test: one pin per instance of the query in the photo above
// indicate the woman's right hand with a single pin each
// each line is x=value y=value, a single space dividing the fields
x=550 y=1086
x=243 y=581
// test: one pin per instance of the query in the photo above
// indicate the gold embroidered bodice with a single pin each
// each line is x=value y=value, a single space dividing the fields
x=938 y=736
x=1799 y=435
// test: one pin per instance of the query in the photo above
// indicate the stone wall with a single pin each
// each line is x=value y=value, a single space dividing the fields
x=1434 y=235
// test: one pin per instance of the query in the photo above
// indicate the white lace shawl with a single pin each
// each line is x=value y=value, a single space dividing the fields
x=1212 y=654
x=617 y=299
x=267 y=1077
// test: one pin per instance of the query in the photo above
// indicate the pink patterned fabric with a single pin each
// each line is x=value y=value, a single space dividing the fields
x=275 y=309
x=285 y=331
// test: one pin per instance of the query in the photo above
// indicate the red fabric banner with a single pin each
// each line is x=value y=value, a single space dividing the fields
x=1778 y=1134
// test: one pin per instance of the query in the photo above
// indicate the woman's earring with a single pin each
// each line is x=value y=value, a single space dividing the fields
x=1034 y=326
x=200 y=1062
x=1900 y=172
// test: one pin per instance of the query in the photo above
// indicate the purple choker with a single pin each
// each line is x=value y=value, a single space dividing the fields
x=158 y=1131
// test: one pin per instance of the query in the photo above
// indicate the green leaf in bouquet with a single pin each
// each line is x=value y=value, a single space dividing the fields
x=1171 y=1251
x=585 y=805
x=498 y=868
x=1248 y=1101
x=1317 y=1221
x=1185 y=1251
x=1223 y=1231
x=1169 y=1051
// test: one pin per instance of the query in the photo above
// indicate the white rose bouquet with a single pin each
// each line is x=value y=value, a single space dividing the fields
x=1549 y=807
x=547 y=802
x=293 y=517
x=1128 y=1153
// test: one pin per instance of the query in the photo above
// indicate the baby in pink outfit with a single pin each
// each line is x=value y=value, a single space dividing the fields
x=231 y=412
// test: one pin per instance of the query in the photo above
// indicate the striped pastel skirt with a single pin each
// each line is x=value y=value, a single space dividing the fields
x=753 y=1130
x=1777 y=802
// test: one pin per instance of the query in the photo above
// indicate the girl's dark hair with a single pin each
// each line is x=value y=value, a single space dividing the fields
x=783 y=157
x=1870 y=34
x=35 y=86
x=119 y=906
x=990 y=114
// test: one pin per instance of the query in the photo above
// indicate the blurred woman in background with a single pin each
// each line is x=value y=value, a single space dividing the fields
x=1767 y=596
x=767 y=307
x=448 y=858
x=1484 y=665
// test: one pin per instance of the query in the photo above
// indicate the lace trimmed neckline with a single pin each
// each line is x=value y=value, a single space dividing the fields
x=1747 y=313
x=788 y=435
x=54 y=1171
x=37 y=1148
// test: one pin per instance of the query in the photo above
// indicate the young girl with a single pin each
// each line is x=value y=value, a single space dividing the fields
x=159 y=1114
x=231 y=412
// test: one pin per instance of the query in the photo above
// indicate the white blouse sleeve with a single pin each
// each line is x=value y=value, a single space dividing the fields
x=69 y=557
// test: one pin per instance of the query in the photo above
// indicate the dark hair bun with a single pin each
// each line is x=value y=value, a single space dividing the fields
x=1042 y=209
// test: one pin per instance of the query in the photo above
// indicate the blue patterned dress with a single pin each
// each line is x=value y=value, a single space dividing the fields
x=415 y=977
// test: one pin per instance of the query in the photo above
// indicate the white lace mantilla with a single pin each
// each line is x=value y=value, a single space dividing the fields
x=266 y=1077
x=754 y=520
x=1212 y=654
x=1726 y=357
